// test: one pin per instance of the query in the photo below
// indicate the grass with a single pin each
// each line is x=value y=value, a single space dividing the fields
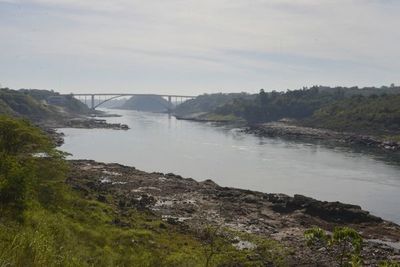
x=222 y=118
x=85 y=235
x=84 y=232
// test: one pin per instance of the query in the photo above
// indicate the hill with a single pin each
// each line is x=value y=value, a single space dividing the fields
x=38 y=105
x=377 y=115
x=149 y=103
x=293 y=104
x=363 y=111
x=203 y=106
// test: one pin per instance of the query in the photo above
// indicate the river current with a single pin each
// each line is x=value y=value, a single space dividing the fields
x=159 y=142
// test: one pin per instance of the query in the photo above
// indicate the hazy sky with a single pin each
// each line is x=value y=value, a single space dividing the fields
x=196 y=46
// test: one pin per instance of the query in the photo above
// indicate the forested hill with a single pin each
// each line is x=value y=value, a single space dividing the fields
x=149 y=103
x=369 y=115
x=294 y=104
x=208 y=103
x=339 y=108
x=38 y=104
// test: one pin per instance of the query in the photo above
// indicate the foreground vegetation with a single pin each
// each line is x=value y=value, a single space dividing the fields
x=46 y=223
x=344 y=244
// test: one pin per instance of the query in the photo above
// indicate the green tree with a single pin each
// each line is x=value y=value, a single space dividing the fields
x=29 y=165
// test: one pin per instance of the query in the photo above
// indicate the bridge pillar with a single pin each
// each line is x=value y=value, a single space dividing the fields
x=169 y=104
x=92 y=102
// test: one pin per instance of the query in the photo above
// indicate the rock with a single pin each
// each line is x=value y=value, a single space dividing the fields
x=284 y=129
x=173 y=221
x=339 y=212
x=121 y=203
x=302 y=201
x=145 y=201
x=172 y=175
x=250 y=199
x=328 y=211
x=209 y=183
x=120 y=223
x=276 y=198
x=91 y=185
x=101 y=198
x=228 y=193
x=190 y=209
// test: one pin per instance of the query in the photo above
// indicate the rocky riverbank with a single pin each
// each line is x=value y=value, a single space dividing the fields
x=211 y=117
x=94 y=123
x=83 y=122
x=56 y=137
x=49 y=127
x=286 y=130
x=191 y=204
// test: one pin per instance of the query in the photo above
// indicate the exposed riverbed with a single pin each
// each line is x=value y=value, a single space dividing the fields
x=157 y=142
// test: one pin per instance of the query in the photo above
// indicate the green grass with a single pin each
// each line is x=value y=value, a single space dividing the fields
x=82 y=233
x=222 y=118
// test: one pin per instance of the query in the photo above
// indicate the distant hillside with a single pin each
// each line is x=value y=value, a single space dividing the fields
x=39 y=104
x=365 y=91
x=207 y=103
x=294 y=104
x=148 y=103
x=369 y=115
x=114 y=103
x=367 y=110
x=67 y=102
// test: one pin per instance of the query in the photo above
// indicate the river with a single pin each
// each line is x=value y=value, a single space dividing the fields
x=158 y=142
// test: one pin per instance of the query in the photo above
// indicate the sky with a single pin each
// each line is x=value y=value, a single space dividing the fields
x=197 y=46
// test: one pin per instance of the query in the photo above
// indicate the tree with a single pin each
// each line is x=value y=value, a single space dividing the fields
x=29 y=164
x=263 y=97
x=214 y=244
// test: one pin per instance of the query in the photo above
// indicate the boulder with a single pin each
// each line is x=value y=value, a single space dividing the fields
x=329 y=211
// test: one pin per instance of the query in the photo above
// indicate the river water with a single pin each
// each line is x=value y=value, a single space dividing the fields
x=158 y=142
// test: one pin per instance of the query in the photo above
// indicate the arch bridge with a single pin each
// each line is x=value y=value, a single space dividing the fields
x=96 y=100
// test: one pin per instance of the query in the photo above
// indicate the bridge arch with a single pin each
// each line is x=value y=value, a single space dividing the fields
x=104 y=101
x=112 y=96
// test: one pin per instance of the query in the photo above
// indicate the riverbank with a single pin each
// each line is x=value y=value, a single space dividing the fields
x=210 y=117
x=190 y=204
x=83 y=123
x=287 y=130
x=293 y=131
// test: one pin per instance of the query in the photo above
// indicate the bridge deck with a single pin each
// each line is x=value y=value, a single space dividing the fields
x=111 y=96
x=125 y=94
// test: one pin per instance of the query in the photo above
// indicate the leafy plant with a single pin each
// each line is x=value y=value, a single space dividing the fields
x=389 y=264
x=213 y=243
x=345 y=243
